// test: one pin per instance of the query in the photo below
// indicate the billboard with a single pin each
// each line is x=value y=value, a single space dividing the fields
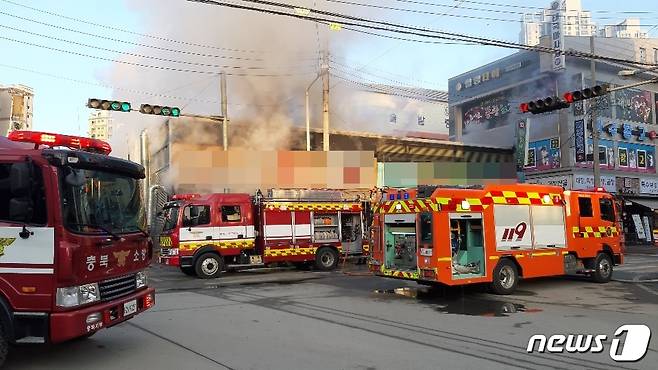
x=543 y=155
x=636 y=157
x=633 y=105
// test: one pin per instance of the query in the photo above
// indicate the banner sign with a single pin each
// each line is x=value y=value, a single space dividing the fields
x=579 y=137
x=649 y=186
x=557 y=37
x=521 y=144
x=543 y=154
x=563 y=181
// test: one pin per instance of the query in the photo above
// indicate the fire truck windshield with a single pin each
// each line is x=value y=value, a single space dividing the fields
x=170 y=215
x=98 y=201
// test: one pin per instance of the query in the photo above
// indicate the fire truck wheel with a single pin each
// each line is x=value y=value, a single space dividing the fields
x=209 y=265
x=505 y=277
x=326 y=259
x=188 y=270
x=602 y=268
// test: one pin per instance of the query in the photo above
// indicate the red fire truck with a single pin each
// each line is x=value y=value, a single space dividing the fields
x=72 y=245
x=207 y=234
x=495 y=234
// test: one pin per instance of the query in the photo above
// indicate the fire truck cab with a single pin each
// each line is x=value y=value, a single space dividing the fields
x=72 y=246
x=495 y=234
x=207 y=234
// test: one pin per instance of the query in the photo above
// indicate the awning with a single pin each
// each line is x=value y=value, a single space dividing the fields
x=647 y=202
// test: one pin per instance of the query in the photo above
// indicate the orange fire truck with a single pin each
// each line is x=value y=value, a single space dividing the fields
x=72 y=245
x=494 y=234
x=207 y=234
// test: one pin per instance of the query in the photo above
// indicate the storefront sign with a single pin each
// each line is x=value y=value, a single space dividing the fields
x=579 y=137
x=563 y=181
x=557 y=37
x=521 y=144
x=639 y=228
x=647 y=228
x=582 y=182
x=628 y=185
x=649 y=186
x=633 y=105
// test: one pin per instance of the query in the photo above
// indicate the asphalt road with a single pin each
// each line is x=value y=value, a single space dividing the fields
x=290 y=319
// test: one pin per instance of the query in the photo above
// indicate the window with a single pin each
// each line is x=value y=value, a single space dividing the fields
x=33 y=198
x=607 y=210
x=426 y=227
x=231 y=214
x=585 y=207
x=643 y=55
x=655 y=55
x=196 y=215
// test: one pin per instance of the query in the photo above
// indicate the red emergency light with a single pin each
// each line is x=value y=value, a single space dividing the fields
x=185 y=196
x=52 y=140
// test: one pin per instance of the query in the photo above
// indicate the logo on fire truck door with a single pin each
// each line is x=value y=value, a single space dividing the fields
x=512 y=227
x=4 y=243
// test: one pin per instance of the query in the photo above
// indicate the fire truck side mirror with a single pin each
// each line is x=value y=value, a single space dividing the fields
x=75 y=178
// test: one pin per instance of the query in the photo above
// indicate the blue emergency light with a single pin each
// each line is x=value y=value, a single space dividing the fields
x=406 y=195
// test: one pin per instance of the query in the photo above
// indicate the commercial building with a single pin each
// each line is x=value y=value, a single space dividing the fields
x=100 y=125
x=16 y=106
x=553 y=147
x=573 y=21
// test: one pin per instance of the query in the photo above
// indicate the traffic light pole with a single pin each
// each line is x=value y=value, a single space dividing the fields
x=222 y=88
x=595 y=129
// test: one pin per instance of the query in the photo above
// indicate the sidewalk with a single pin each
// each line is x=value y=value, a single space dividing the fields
x=640 y=265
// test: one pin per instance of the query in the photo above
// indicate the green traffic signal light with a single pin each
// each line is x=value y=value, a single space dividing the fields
x=165 y=111
x=115 y=105
x=125 y=107
x=175 y=112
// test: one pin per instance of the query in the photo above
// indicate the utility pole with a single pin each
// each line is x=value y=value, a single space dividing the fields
x=308 y=114
x=222 y=88
x=595 y=130
x=325 y=102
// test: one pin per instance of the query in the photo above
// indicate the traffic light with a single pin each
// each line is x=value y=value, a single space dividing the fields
x=160 y=110
x=587 y=93
x=113 y=105
x=543 y=105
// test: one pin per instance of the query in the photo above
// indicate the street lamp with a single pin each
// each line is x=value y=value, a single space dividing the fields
x=633 y=72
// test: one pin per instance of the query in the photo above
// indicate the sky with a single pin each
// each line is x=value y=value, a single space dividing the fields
x=63 y=79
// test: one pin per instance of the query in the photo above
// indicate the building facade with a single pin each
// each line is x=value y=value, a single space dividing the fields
x=100 y=125
x=16 y=107
x=573 y=21
x=629 y=28
x=555 y=147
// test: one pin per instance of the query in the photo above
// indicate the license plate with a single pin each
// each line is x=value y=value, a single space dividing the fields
x=130 y=308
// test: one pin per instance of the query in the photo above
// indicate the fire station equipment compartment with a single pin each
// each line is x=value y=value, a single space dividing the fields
x=325 y=227
x=467 y=245
x=351 y=234
x=400 y=241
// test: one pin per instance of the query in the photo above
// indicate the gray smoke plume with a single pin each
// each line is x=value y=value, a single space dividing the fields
x=257 y=44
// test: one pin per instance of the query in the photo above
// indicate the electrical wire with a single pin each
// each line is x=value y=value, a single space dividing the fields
x=152 y=66
x=409 y=29
x=154 y=37
x=124 y=41
x=146 y=56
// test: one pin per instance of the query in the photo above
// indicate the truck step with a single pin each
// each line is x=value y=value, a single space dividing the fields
x=31 y=340
x=245 y=266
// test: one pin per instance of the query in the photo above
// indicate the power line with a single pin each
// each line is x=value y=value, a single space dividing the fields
x=517 y=6
x=141 y=55
x=180 y=51
x=409 y=29
x=136 y=33
x=418 y=11
x=131 y=91
x=152 y=66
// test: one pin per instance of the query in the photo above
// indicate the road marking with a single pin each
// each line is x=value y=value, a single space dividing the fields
x=646 y=288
